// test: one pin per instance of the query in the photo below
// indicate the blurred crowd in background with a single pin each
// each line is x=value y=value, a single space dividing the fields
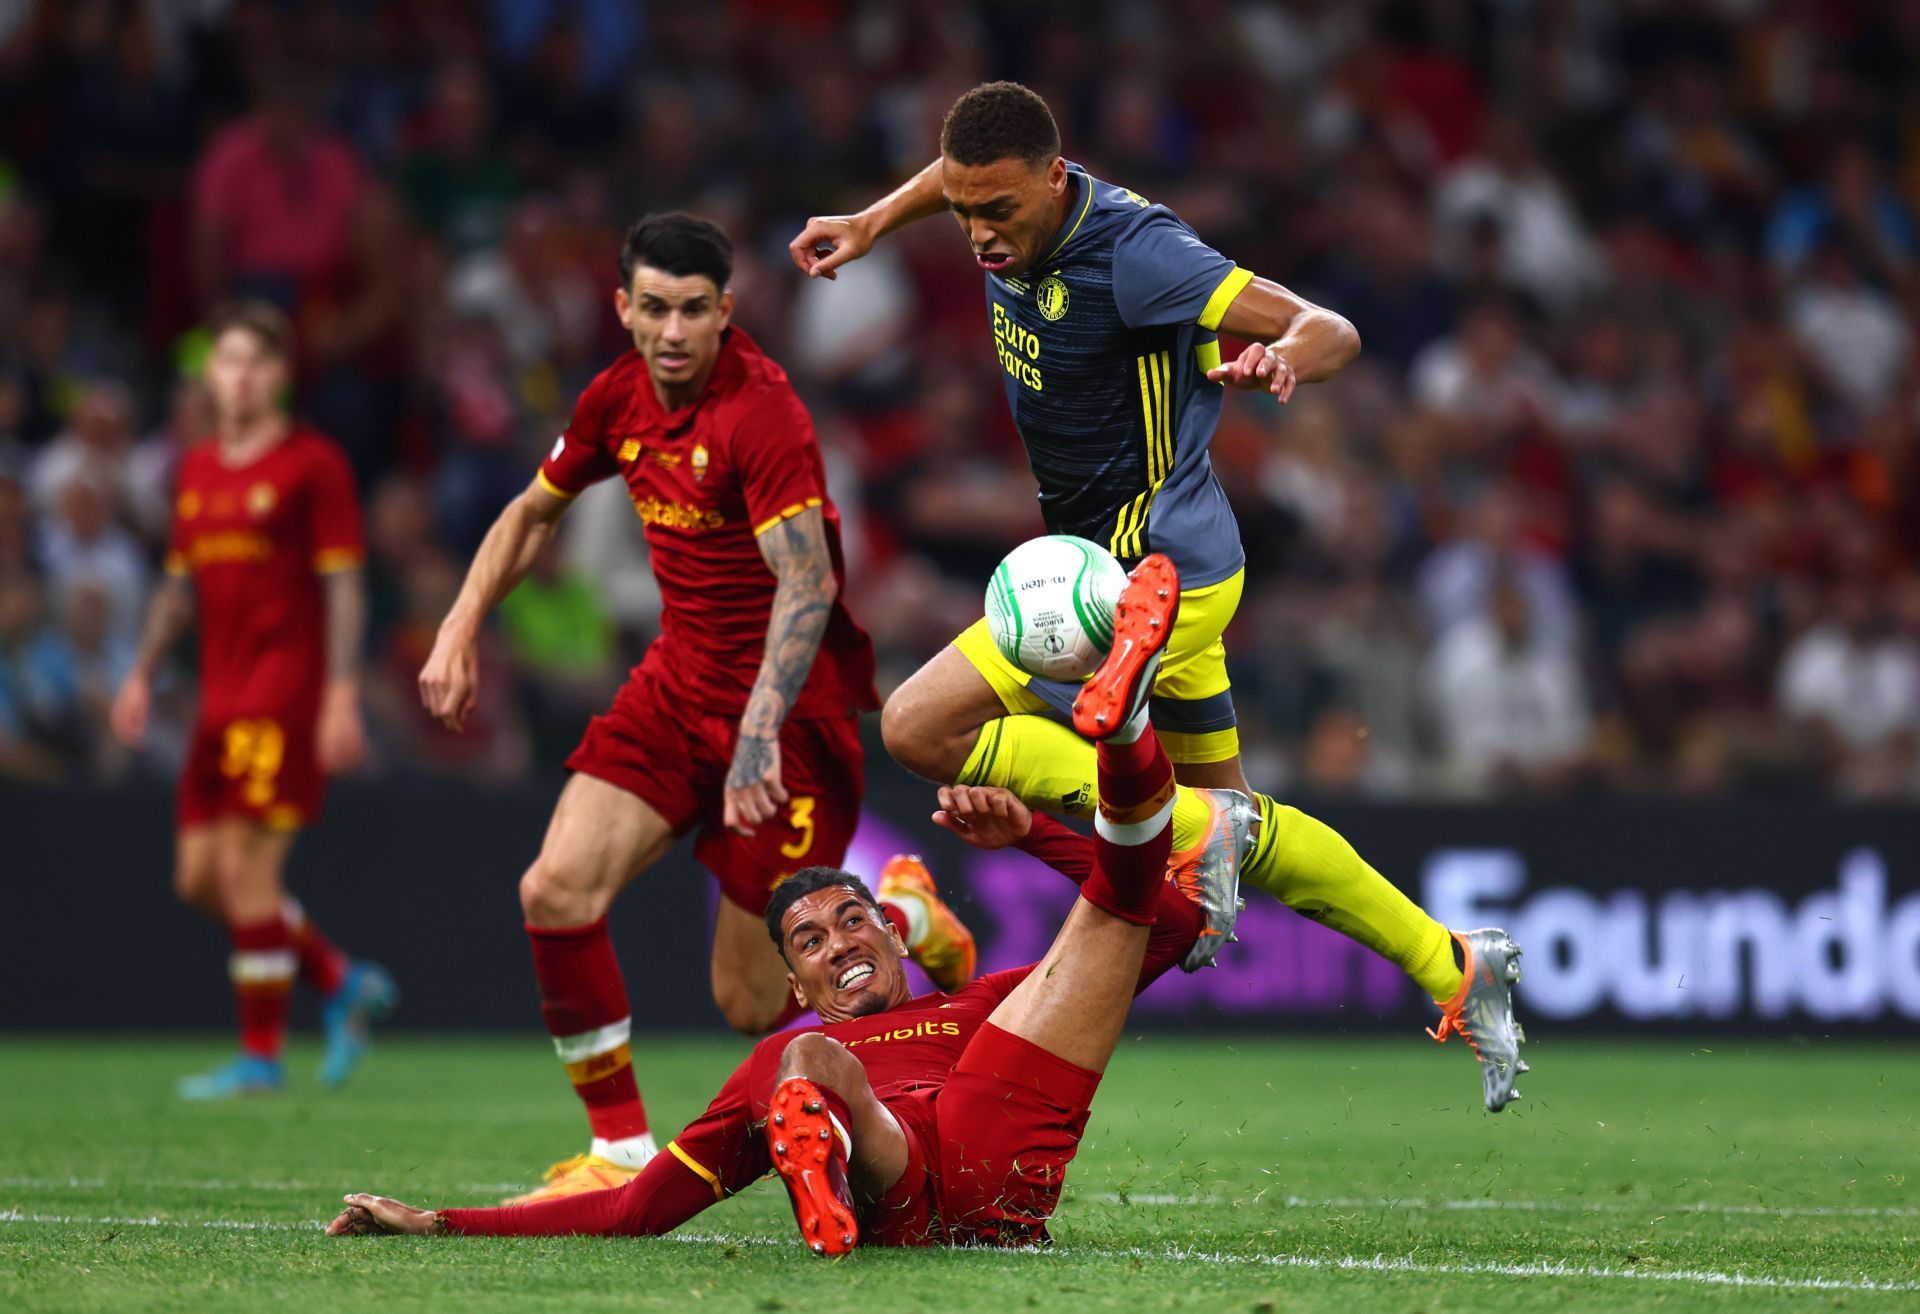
x=1623 y=494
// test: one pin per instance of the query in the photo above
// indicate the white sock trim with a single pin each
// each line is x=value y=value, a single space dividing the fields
x=258 y=966
x=1130 y=833
x=585 y=1044
x=1133 y=729
x=629 y=1151
x=846 y=1141
x=914 y=909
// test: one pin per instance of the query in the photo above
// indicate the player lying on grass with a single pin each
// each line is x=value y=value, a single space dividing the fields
x=1107 y=313
x=942 y=1119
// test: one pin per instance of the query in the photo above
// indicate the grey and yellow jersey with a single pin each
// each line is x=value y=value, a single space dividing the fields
x=1105 y=344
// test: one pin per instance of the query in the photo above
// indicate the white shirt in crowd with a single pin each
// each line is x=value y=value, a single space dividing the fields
x=1866 y=692
x=1496 y=706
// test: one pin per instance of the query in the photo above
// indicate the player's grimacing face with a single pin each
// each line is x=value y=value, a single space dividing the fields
x=1008 y=209
x=244 y=375
x=842 y=954
x=676 y=321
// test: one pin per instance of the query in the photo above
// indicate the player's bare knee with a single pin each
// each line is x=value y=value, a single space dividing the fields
x=825 y=1060
x=746 y=1009
x=914 y=737
x=553 y=895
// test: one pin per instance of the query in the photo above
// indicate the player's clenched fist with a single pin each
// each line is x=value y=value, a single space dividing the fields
x=827 y=242
x=753 y=790
x=450 y=681
x=1258 y=368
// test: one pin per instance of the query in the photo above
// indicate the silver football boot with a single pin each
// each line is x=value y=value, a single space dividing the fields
x=1483 y=1012
x=1210 y=876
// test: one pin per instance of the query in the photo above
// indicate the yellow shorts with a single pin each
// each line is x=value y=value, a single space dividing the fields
x=1192 y=705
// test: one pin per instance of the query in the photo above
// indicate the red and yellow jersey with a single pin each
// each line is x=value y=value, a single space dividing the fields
x=707 y=480
x=906 y=1049
x=255 y=538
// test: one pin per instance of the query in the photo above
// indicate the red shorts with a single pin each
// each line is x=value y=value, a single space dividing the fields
x=262 y=768
x=988 y=1152
x=676 y=759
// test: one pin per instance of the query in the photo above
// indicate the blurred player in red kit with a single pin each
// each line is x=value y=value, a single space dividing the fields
x=741 y=722
x=265 y=553
x=943 y=1119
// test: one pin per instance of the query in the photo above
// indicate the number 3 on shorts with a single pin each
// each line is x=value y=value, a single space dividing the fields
x=800 y=817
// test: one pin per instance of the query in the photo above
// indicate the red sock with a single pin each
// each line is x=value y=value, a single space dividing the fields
x=262 y=968
x=1130 y=850
x=323 y=968
x=584 y=1001
x=899 y=921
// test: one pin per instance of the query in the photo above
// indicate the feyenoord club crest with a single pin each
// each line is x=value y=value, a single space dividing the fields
x=1051 y=297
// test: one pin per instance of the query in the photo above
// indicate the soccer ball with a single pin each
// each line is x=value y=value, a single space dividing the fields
x=1050 y=606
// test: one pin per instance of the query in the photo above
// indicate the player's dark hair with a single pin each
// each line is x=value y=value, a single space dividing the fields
x=999 y=121
x=268 y=324
x=804 y=882
x=679 y=244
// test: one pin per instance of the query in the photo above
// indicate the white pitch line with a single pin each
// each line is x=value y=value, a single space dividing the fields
x=1547 y=1268
x=155 y=1184
x=1477 y=1205
x=1152 y=1199
x=1551 y=1268
x=214 y=1224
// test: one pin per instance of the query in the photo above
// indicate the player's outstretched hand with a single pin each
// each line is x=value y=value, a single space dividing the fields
x=342 y=735
x=985 y=816
x=375 y=1215
x=130 y=708
x=827 y=242
x=450 y=681
x=1258 y=368
x=754 y=792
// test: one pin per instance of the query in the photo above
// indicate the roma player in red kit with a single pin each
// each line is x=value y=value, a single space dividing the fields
x=946 y=1119
x=266 y=550
x=740 y=724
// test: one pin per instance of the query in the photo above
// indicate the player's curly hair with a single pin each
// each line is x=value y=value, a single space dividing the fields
x=804 y=882
x=677 y=243
x=999 y=121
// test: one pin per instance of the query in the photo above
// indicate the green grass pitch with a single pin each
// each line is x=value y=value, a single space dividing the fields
x=1229 y=1174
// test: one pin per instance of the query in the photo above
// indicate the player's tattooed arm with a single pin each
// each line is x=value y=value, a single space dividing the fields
x=168 y=619
x=796 y=552
x=1292 y=340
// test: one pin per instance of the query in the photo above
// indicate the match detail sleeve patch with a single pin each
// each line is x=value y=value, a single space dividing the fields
x=1230 y=287
x=695 y=1166
x=786 y=513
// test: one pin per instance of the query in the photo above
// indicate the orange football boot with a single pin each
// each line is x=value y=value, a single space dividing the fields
x=810 y=1154
x=577 y=1176
x=946 y=953
x=1143 y=620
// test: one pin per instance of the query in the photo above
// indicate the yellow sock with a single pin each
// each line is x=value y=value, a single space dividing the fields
x=1049 y=767
x=1306 y=865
